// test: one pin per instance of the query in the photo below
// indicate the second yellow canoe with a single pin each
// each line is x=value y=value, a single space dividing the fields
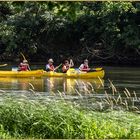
x=76 y=74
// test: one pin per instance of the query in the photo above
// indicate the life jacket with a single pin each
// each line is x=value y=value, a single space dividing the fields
x=65 y=68
x=50 y=68
x=23 y=67
x=85 y=68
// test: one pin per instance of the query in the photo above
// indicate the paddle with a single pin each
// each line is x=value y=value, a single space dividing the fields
x=58 y=67
x=25 y=59
x=23 y=56
x=97 y=69
x=3 y=65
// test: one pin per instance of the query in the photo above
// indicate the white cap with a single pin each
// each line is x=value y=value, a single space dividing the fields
x=50 y=60
x=85 y=60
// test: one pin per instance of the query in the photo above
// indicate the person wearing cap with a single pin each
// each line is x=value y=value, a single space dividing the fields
x=67 y=65
x=84 y=67
x=50 y=66
x=24 y=66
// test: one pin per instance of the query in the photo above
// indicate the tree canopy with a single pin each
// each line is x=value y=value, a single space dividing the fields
x=103 y=31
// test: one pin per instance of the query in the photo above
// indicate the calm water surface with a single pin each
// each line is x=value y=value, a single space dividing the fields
x=122 y=77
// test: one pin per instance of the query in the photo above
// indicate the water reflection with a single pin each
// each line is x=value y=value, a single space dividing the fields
x=21 y=83
x=53 y=85
x=72 y=86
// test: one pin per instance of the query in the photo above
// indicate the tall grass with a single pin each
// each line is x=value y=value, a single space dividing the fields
x=22 y=118
x=110 y=99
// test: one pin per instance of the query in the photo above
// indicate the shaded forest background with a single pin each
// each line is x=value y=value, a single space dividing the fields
x=103 y=32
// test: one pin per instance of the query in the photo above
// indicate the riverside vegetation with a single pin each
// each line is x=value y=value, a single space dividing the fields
x=100 y=31
x=114 y=116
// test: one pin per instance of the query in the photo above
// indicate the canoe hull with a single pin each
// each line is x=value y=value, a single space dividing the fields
x=21 y=74
x=41 y=73
x=88 y=75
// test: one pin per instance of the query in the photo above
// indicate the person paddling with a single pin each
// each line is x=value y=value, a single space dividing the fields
x=67 y=65
x=84 y=67
x=24 y=66
x=50 y=66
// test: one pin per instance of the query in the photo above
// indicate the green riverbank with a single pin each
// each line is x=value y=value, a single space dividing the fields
x=23 y=118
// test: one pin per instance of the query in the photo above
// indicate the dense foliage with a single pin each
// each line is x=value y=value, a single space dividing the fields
x=58 y=119
x=103 y=31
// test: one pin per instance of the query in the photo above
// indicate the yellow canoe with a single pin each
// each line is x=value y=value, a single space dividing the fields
x=21 y=74
x=75 y=74
x=72 y=73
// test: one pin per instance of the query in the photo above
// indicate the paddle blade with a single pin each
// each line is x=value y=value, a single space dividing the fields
x=3 y=65
x=98 y=69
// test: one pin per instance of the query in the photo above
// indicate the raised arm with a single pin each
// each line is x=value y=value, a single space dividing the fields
x=81 y=67
x=29 y=68
x=71 y=63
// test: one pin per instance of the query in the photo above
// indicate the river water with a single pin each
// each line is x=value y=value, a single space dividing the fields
x=121 y=77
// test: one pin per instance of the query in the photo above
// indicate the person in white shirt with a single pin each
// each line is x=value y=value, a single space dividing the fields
x=50 y=66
